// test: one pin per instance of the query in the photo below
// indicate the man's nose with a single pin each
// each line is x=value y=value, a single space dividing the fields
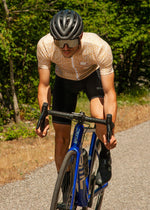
x=65 y=47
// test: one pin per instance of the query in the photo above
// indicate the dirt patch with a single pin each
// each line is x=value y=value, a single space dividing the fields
x=22 y=156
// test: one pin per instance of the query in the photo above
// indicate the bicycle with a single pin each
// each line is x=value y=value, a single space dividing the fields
x=81 y=166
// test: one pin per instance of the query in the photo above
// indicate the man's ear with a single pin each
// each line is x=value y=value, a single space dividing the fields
x=81 y=35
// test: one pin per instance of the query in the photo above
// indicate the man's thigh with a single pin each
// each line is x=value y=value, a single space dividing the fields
x=64 y=99
x=93 y=87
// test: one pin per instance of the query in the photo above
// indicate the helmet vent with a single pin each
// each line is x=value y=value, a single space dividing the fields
x=66 y=24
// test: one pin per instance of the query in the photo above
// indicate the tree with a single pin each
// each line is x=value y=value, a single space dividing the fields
x=10 y=59
x=123 y=24
x=22 y=24
x=128 y=33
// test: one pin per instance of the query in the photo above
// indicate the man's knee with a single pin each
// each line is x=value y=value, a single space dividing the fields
x=97 y=108
x=62 y=132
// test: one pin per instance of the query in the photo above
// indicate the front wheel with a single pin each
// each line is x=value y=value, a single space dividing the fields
x=62 y=195
x=96 y=199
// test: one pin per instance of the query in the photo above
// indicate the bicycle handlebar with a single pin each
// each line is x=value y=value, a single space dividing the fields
x=80 y=117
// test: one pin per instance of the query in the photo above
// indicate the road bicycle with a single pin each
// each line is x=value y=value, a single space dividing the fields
x=76 y=186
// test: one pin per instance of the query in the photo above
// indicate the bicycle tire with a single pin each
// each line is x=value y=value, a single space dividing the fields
x=95 y=203
x=57 y=199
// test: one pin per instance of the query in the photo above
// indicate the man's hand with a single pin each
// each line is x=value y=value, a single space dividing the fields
x=110 y=145
x=44 y=133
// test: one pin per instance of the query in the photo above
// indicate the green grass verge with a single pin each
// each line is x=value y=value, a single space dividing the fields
x=136 y=96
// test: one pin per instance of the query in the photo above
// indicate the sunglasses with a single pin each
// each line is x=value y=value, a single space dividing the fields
x=71 y=43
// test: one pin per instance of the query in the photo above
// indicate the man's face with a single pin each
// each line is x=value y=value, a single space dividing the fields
x=69 y=52
x=68 y=47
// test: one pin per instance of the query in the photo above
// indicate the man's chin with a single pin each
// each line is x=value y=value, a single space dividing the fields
x=67 y=54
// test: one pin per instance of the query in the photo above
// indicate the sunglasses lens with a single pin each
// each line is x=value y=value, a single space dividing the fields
x=70 y=43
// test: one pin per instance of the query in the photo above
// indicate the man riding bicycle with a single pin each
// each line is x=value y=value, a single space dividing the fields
x=83 y=63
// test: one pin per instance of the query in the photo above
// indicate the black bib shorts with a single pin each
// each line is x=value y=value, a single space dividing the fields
x=65 y=93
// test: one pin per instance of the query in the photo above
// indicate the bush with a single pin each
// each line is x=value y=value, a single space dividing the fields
x=5 y=116
x=134 y=96
x=15 y=131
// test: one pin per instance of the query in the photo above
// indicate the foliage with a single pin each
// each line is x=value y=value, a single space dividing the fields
x=136 y=96
x=5 y=116
x=124 y=25
x=30 y=112
x=22 y=37
x=16 y=131
x=83 y=104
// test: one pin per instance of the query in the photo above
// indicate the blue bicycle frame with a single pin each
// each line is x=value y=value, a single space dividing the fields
x=81 y=190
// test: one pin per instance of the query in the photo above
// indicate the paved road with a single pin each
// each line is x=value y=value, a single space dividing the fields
x=129 y=188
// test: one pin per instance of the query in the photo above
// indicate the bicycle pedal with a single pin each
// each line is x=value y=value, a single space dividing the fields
x=62 y=206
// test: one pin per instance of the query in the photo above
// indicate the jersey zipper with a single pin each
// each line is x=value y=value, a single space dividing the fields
x=77 y=75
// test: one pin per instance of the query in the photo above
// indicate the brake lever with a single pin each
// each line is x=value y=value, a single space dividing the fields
x=41 y=122
x=110 y=126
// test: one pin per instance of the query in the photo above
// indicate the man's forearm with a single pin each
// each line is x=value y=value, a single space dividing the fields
x=110 y=105
x=44 y=95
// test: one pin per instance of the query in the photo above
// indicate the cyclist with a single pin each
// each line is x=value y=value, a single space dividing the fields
x=83 y=63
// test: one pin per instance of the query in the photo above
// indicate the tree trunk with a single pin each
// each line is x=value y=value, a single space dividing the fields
x=15 y=101
x=136 y=64
x=1 y=101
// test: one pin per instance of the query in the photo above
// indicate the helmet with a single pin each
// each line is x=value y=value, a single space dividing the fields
x=66 y=24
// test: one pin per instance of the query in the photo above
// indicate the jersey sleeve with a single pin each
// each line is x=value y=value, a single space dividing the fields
x=44 y=61
x=105 y=60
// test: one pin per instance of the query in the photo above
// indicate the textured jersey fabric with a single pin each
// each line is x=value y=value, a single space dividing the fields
x=94 y=53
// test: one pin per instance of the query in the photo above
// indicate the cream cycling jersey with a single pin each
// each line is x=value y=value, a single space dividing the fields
x=93 y=53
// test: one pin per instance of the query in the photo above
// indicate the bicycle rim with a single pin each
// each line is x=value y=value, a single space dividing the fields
x=62 y=200
x=96 y=202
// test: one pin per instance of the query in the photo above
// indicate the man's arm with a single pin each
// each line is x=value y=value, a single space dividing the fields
x=44 y=95
x=44 y=91
x=110 y=102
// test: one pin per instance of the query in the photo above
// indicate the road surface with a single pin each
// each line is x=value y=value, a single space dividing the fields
x=129 y=188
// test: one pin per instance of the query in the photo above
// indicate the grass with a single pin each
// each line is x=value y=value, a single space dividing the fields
x=136 y=96
x=27 y=128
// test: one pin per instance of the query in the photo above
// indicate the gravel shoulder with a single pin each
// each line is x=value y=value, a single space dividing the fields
x=129 y=187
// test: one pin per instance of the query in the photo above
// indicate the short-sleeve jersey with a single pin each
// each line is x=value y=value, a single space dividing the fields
x=93 y=53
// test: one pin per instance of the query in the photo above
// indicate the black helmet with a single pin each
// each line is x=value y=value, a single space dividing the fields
x=66 y=24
